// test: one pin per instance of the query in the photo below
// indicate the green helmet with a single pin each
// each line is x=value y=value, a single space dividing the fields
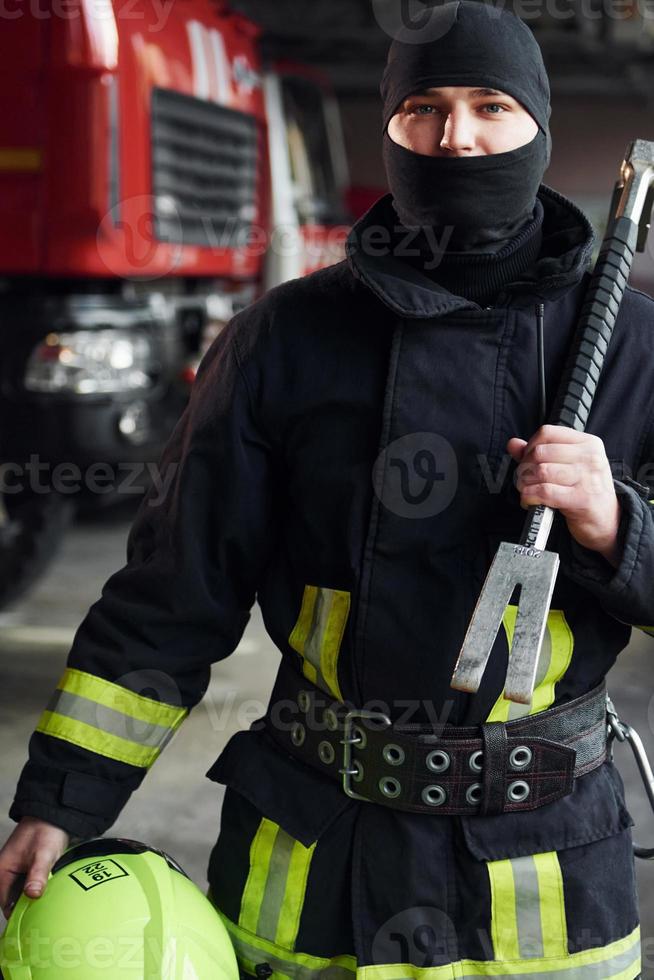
x=112 y=909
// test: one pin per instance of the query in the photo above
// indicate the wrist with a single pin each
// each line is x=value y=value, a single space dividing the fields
x=609 y=547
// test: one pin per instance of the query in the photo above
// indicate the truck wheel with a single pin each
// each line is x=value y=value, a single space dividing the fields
x=29 y=538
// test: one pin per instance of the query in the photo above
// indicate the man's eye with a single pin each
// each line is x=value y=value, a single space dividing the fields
x=417 y=109
x=495 y=105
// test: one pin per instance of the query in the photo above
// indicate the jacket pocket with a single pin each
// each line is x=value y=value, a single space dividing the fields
x=290 y=793
x=318 y=634
x=561 y=880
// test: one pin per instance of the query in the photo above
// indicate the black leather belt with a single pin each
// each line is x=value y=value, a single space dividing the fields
x=497 y=767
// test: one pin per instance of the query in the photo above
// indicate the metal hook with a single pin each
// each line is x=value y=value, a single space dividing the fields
x=625 y=733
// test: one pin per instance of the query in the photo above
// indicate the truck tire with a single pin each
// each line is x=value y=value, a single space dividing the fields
x=37 y=524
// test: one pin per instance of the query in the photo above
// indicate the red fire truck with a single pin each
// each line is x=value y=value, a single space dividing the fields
x=155 y=177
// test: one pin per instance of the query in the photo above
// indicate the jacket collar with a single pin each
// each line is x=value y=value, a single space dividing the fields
x=568 y=240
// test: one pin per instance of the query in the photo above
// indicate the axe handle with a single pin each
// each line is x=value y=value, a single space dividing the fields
x=597 y=319
x=575 y=395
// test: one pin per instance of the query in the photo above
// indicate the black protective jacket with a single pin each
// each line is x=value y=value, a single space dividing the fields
x=366 y=573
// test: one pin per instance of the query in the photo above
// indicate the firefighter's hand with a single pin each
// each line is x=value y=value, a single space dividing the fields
x=27 y=857
x=569 y=470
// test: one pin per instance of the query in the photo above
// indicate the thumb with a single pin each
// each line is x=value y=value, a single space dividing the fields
x=37 y=875
x=516 y=447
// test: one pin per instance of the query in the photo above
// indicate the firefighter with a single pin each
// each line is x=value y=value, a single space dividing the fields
x=356 y=445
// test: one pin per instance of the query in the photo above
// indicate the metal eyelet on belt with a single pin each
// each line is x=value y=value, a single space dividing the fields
x=298 y=734
x=438 y=761
x=303 y=701
x=393 y=754
x=474 y=793
x=434 y=795
x=359 y=736
x=518 y=791
x=520 y=757
x=475 y=760
x=358 y=775
x=390 y=787
x=330 y=720
x=326 y=753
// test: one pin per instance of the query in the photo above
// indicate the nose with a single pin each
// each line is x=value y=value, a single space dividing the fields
x=458 y=132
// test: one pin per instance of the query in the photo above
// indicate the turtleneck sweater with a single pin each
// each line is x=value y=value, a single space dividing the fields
x=477 y=275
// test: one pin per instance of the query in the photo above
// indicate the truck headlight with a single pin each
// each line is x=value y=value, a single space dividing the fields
x=91 y=362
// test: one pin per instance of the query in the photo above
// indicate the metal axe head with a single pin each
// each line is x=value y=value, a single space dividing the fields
x=534 y=571
x=635 y=189
x=640 y=153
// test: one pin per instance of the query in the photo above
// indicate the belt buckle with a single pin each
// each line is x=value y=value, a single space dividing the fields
x=348 y=741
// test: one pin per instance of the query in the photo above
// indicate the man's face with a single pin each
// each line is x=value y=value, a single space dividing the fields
x=461 y=122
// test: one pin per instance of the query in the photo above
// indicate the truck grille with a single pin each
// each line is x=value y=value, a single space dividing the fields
x=204 y=171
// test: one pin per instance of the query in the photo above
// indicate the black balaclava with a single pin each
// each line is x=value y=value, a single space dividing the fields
x=485 y=200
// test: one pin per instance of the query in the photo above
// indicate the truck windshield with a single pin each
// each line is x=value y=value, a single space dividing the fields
x=317 y=195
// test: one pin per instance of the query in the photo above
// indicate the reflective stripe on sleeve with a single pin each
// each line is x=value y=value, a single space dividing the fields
x=108 y=719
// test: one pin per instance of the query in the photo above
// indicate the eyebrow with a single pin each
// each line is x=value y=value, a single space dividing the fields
x=476 y=93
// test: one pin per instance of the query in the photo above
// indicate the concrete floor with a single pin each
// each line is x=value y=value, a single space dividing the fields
x=176 y=808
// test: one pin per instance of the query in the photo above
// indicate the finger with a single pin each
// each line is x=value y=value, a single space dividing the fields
x=563 y=434
x=515 y=443
x=15 y=890
x=548 y=494
x=37 y=875
x=562 y=474
x=10 y=881
x=557 y=452
x=559 y=435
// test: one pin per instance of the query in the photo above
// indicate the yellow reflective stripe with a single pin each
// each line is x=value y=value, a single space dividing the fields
x=273 y=897
x=301 y=630
x=260 y=853
x=20 y=158
x=619 y=960
x=120 y=699
x=562 y=643
x=95 y=740
x=333 y=637
x=252 y=949
x=528 y=919
x=504 y=922
x=298 y=637
x=318 y=634
x=107 y=719
x=296 y=886
x=554 y=660
x=552 y=904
